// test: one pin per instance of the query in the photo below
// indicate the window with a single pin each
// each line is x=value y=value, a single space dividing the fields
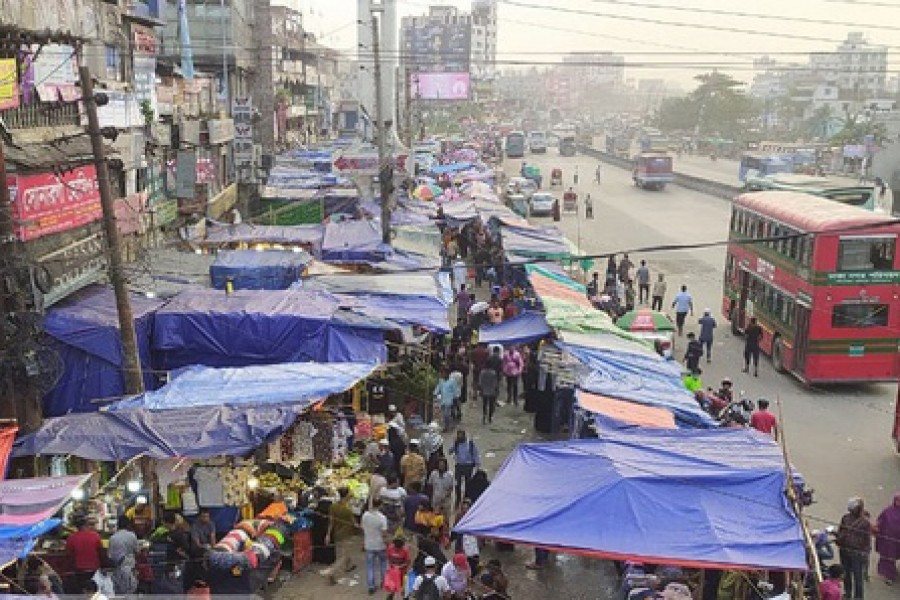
x=860 y=315
x=866 y=254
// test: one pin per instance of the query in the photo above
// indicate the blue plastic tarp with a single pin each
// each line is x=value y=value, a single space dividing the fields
x=533 y=241
x=697 y=498
x=247 y=327
x=426 y=285
x=253 y=270
x=450 y=168
x=527 y=327
x=274 y=385
x=249 y=233
x=353 y=241
x=197 y=432
x=430 y=313
x=638 y=377
x=85 y=334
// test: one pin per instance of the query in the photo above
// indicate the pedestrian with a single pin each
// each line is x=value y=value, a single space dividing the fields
x=430 y=585
x=832 y=588
x=752 y=336
x=692 y=381
x=385 y=458
x=592 y=289
x=479 y=358
x=444 y=395
x=375 y=534
x=392 y=499
x=495 y=312
x=463 y=303
x=693 y=353
x=495 y=360
x=512 y=369
x=707 y=326
x=123 y=548
x=887 y=540
x=683 y=304
x=458 y=380
x=398 y=564
x=412 y=465
x=625 y=266
x=468 y=460
x=477 y=486
x=854 y=540
x=588 y=207
x=611 y=269
x=643 y=278
x=764 y=421
x=411 y=505
x=488 y=389
x=629 y=295
x=659 y=292
x=441 y=482
x=85 y=549
x=340 y=533
x=597 y=174
x=457 y=574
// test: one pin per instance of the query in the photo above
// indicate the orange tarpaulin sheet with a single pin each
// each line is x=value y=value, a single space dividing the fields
x=7 y=437
x=547 y=287
x=636 y=414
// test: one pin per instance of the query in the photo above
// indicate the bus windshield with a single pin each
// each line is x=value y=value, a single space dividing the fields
x=515 y=144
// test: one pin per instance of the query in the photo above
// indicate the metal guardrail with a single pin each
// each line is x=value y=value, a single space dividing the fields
x=698 y=184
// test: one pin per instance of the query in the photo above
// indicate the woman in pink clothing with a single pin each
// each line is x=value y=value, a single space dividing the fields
x=513 y=364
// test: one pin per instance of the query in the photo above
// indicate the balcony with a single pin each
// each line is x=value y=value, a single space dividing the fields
x=42 y=114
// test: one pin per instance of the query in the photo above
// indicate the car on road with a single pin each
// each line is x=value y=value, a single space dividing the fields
x=541 y=204
x=537 y=142
x=520 y=186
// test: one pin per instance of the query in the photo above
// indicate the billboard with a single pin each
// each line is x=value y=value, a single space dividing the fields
x=440 y=86
x=46 y=203
x=437 y=46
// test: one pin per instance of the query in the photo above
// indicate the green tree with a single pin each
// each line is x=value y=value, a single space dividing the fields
x=717 y=107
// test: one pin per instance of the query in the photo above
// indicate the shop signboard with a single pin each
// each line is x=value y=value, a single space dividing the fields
x=242 y=116
x=145 y=80
x=165 y=212
x=55 y=71
x=129 y=213
x=440 y=86
x=45 y=203
x=143 y=40
x=221 y=131
x=190 y=132
x=73 y=267
x=9 y=89
x=121 y=111
x=364 y=163
x=185 y=173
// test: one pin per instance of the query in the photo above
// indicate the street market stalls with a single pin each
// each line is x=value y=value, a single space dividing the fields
x=230 y=440
x=710 y=499
x=257 y=270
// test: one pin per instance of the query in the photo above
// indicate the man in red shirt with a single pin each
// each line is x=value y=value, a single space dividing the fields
x=85 y=548
x=764 y=421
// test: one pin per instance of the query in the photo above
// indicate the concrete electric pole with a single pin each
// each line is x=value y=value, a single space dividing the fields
x=385 y=170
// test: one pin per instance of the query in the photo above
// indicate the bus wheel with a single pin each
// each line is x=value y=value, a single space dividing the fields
x=778 y=354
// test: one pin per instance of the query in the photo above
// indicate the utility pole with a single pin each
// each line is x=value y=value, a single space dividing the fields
x=407 y=85
x=385 y=170
x=134 y=382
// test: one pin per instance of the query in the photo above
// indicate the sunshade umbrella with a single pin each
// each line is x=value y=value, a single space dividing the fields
x=427 y=192
x=644 y=319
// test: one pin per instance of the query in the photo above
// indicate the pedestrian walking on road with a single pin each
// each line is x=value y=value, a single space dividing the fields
x=659 y=292
x=643 y=278
x=468 y=459
x=375 y=533
x=683 y=304
x=625 y=267
x=764 y=421
x=693 y=353
x=612 y=270
x=752 y=336
x=488 y=389
x=513 y=364
x=854 y=539
x=597 y=174
x=588 y=207
x=629 y=295
x=463 y=303
x=887 y=540
x=707 y=326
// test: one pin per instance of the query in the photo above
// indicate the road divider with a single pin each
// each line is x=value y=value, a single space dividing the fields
x=698 y=184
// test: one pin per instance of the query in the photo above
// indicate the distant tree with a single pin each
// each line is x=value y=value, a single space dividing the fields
x=717 y=107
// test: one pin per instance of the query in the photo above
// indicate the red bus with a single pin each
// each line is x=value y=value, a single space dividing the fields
x=823 y=281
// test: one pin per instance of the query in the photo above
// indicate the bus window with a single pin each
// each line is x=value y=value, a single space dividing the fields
x=860 y=315
x=866 y=254
x=806 y=250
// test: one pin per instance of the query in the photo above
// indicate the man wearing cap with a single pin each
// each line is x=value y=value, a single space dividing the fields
x=457 y=574
x=412 y=465
x=431 y=580
x=707 y=325
x=385 y=458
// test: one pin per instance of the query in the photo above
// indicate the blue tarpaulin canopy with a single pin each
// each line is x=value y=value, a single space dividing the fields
x=250 y=327
x=450 y=168
x=353 y=241
x=291 y=383
x=695 y=498
x=85 y=334
x=533 y=241
x=198 y=432
x=638 y=377
x=430 y=313
x=527 y=327
x=253 y=270
x=249 y=233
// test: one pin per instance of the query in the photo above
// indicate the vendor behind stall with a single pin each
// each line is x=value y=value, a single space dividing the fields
x=85 y=547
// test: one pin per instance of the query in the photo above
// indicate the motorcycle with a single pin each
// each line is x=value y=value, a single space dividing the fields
x=737 y=411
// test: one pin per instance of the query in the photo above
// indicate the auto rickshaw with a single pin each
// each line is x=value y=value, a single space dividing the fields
x=556 y=178
x=570 y=201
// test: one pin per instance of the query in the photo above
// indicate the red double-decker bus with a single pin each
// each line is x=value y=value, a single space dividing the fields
x=823 y=281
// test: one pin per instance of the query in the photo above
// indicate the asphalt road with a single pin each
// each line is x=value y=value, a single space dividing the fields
x=838 y=437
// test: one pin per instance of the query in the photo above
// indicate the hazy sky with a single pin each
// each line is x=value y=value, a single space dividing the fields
x=532 y=34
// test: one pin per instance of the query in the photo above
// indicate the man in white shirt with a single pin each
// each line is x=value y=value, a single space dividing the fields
x=683 y=303
x=375 y=528
x=431 y=579
x=442 y=483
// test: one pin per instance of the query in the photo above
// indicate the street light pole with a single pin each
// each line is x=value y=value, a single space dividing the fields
x=134 y=382
x=384 y=168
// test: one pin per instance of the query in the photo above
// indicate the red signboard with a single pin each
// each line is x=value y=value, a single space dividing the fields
x=47 y=203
